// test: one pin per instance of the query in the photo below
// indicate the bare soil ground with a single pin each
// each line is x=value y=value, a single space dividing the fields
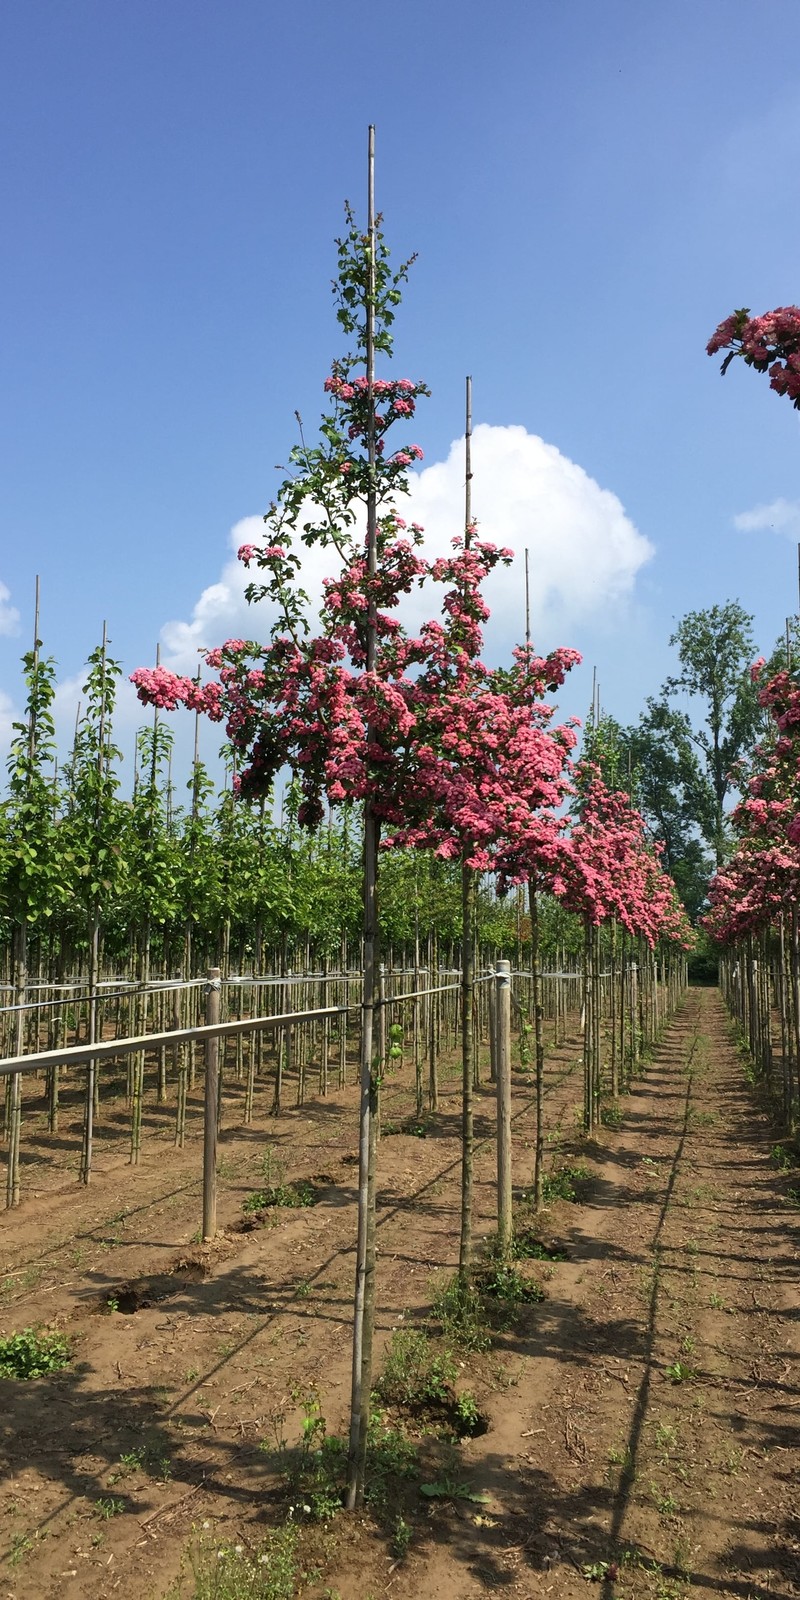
x=642 y=1419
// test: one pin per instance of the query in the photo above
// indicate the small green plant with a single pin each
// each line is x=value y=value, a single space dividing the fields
x=267 y=1571
x=502 y=1281
x=679 y=1372
x=611 y=1114
x=30 y=1354
x=452 y=1489
x=313 y=1471
x=785 y=1156
x=418 y=1127
x=272 y=1169
x=149 y=1458
x=467 y=1414
x=291 y=1195
x=461 y=1315
x=666 y=1436
x=390 y=1457
x=109 y=1506
x=112 y=1303
x=665 y=1503
x=560 y=1185
x=415 y=1373
x=21 y=1543
x=395 y=1051
x=599 y=1571
x=401 y=1538
x=525 y=1246
x=716 y=1302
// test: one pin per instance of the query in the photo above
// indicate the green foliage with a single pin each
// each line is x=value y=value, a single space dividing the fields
x=30 y=1354
x=502 y=1281
x=450 y=1488
x=291 y=1195
x=526 y=1246
x=391 y=1458
x=415 y=1372
x=401 y=1538
x=314 y=1471
x=109 y=1506
x=679 y=1372
x=267 y=1571
x=461 y=1314
x=468 y=1416
x=560 y=1185
x=33 y=866
x=715 y=650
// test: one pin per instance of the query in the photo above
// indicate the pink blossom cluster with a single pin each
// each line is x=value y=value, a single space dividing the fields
x=157 y=686
x=609 y=870
x=762 y=879
x=770 y=343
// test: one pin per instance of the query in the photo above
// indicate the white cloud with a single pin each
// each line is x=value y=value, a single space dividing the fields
x=7 y=715
x=584 y=551
x=9 y=615
x=780 y=516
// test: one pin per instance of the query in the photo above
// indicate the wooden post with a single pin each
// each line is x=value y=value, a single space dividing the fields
x=503 y=1058
x=213 y=990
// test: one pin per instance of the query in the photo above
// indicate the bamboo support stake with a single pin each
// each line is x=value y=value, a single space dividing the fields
x=503 y=1060
x=364 y=1293
x=212 y=992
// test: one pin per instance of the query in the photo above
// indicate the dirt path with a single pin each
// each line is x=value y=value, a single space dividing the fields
x=651 y=1438
x=640 y=1417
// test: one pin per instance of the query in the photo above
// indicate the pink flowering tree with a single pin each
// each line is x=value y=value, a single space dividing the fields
x=770 y=344
x=610 y=873
x=754 y=897
x=411 y=727
x=490 y=775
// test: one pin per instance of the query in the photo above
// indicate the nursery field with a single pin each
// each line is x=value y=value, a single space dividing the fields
x=618 y=1408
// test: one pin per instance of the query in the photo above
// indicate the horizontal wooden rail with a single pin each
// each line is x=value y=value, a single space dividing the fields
x=75 y=1054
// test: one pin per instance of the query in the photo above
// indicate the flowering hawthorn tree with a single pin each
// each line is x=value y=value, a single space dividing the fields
x=413 y=727
x=754 y=898
x=490 y=774
x=610 y=872
x=770 y=344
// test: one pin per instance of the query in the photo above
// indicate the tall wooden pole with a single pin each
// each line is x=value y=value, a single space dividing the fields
x=364 y=1296
x=503 y=1054
x=211 y=1107
x=468 y=896
x=94 y=947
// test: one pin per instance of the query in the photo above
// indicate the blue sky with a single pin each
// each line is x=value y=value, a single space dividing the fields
x=590 y=188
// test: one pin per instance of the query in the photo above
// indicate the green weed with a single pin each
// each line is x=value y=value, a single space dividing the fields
x=560 y=1185
x=461 y=1315
x=267 y=1571
x=415 y=1374
x=291 y=1195
x=109 y=1506
x=33 y=1355
x=501 y=1281
x=679 y=1372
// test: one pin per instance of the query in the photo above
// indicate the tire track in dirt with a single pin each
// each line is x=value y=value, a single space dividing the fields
x=651 y=1436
